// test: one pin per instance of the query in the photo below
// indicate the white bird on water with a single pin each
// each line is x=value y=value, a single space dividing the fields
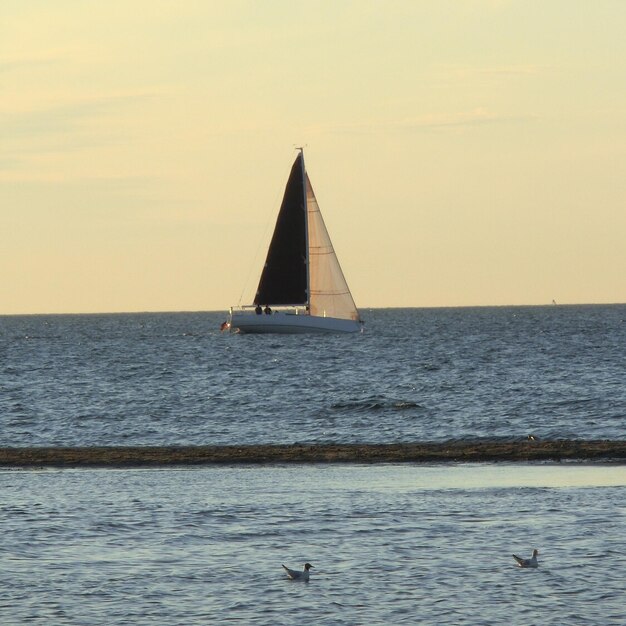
x=295 y=575
x=532 y=562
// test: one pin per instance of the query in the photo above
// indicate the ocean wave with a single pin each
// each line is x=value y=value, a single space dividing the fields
x=374 y=403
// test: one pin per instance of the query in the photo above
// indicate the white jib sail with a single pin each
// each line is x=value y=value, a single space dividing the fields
x=330 y=295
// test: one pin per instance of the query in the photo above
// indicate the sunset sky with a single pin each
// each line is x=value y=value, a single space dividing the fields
x=467 y=152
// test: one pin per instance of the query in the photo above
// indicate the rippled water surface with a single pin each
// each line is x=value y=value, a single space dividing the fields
x=415 y=374
x=389 y=544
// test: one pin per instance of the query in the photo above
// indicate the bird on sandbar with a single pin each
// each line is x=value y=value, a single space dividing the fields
x=532 y=562
x=295 y=575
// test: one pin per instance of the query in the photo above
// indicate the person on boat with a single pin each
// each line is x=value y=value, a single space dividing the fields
x=267 y=310
x=258 y=310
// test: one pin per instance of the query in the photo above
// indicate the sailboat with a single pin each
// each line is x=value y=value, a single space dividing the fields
x=302 y=288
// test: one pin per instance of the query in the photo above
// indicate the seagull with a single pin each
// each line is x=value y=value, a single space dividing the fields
x=295 y=575
x=532 y=562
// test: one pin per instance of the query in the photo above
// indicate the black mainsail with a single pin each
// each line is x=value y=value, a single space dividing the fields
x=284 y=277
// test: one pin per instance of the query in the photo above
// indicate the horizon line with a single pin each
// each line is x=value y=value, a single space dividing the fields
x=363 y=308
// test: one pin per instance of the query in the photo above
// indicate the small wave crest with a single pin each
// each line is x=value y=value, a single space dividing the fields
x=374 y=403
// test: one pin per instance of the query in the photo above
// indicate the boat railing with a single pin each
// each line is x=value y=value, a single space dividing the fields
x=251 y=309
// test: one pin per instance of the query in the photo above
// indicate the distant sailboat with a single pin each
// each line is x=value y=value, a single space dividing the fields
x=302 y=288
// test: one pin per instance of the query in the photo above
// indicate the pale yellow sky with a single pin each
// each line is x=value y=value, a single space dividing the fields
x=467 y=152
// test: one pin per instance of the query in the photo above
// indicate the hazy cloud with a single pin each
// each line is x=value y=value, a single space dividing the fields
x=476 y=117
x=468 y=119
x=9 y=65
x=471 y=71
x=63 y=117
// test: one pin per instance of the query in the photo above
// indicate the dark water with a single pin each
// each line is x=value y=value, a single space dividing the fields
x=415 y=374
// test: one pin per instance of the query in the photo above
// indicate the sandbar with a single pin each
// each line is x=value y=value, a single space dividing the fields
x=613 y=451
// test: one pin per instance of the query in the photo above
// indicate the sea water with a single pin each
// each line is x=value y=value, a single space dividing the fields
x=413 y=375
x=390 y=544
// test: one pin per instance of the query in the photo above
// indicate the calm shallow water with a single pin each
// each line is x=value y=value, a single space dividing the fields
x=390 y=545
x=414 y=375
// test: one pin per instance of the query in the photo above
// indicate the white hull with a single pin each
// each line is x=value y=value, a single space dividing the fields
x=289 y=323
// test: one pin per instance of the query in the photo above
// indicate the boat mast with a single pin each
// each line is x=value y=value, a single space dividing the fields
x=306 y=233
